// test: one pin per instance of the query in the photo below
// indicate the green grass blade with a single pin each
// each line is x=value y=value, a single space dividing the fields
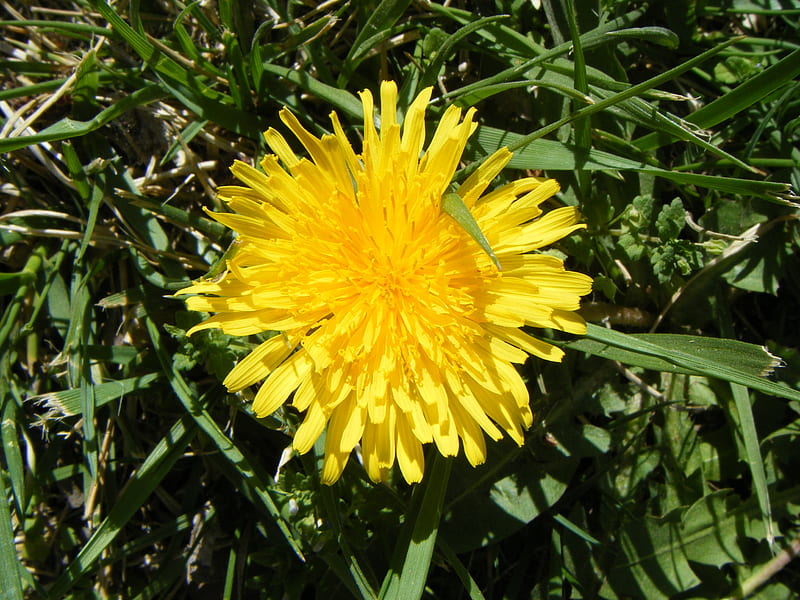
x=737 y=100
x=596 y=37
x=195 y=93
x=694 y=364
x=453 y=205
x=411 y=562
x=375 y=30
x=749 y=358
x=631 y=92
x=747 y=429
x=13 y=454
x=9 y=562
x=155 y=467
x=552 y=155
x=67 y=403
x=444 y=52
x=69 y=128
x=470 y=585
x=340 y=99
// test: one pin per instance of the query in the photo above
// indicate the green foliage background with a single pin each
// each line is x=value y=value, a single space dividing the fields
x=664 y=460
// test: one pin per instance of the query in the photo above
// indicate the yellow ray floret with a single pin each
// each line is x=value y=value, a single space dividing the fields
x=393 y=327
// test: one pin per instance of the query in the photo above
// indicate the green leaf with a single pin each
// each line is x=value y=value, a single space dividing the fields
x=375 y=30
x=747 y=94
x=505 y=499
x=336 y=97
x=412 y=558
x=657 y=552
x=671 y=220
x=747 y=429
x=685 y=358
x=9 y=561
x=749 y=358
x=443 y=53
x=67 y=403
x=551 y=155
x=254 y=484
x=69 y=128
x=453 y=205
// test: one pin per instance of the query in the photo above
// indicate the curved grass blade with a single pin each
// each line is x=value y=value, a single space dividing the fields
x=377 y=28
x=358 y=580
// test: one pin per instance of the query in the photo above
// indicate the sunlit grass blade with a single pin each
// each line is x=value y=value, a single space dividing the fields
x=68 y=128
x=444 y=52
x=737 y=100
x=9 y=562
x=590 y=39
x=67 y=403
x=747 y=429
x=695 y=364
x=631 y=92
x=408 y=571
x=549 y=154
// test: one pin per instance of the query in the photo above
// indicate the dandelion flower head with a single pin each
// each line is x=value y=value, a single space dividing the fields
x=395 y=328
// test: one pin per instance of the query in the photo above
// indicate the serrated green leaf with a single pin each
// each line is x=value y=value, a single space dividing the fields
x=671 y=220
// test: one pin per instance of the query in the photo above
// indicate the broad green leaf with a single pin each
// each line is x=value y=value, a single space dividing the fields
x=505 y=500
x=656 y=552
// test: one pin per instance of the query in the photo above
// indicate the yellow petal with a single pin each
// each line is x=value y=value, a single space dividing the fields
x=281 y=383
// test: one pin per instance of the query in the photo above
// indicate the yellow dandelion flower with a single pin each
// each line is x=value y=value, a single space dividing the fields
x=395 y=328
